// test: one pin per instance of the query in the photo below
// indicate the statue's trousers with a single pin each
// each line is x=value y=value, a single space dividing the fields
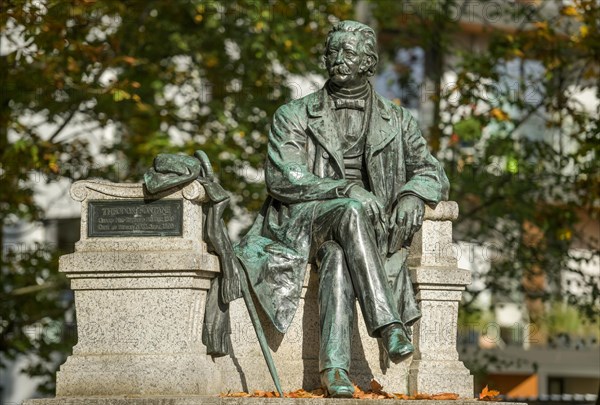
x=350 y=268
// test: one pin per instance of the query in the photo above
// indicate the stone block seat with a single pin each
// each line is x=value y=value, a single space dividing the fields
x=140 y=305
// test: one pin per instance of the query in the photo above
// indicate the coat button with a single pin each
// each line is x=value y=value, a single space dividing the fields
x=325 y=155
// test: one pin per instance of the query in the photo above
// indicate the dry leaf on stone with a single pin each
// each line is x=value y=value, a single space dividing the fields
x=375 y=386
x=358 y=392
x=236 y=394
x=318 y=392
x=375 y=392
x=305 y=394
x=445 y=396
x=489 y=395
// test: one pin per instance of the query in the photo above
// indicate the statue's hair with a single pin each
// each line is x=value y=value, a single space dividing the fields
x=369 y=43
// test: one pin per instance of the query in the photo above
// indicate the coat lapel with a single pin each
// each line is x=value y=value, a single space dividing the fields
x=381 y=131
x=321 y=123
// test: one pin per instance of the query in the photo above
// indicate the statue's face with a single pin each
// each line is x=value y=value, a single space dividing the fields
x=345 y=59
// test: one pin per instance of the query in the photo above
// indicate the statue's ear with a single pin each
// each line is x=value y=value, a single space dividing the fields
x=323 y=64
x=366 y=64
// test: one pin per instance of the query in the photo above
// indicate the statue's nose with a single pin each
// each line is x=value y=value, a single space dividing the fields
x=340 y=58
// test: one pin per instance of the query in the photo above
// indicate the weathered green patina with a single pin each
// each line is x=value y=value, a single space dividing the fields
x=348 y=173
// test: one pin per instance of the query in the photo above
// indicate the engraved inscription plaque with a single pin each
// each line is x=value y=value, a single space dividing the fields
x=135 y=218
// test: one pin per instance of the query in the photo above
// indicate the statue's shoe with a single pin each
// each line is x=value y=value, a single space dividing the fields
x=396 y=342
x=337 y=383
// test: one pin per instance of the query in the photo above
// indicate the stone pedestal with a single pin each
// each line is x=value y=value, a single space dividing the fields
x=139 y=304
x=438 y=283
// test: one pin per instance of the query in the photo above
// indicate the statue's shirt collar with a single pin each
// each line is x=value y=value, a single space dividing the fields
x=361 y=91
x=319 y=101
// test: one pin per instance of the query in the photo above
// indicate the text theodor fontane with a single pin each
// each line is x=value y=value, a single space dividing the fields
x=135 y=218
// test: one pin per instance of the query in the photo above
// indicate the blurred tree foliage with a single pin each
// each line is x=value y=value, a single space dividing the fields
x=519 y=142
x=161 y=76
x=178 y=76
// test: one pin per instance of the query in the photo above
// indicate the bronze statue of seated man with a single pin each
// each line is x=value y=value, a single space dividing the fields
x=348 y=175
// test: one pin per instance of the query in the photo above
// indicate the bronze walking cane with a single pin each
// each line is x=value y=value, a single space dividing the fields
x=245 y=290
x=260 y=333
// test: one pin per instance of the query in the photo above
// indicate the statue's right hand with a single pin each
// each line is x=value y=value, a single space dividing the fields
x=370 y=203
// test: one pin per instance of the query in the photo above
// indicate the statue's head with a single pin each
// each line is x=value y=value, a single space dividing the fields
x=350 y=53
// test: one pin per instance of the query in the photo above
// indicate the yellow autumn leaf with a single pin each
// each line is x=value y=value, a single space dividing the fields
x=129 y=59
x=120 y=95
x=584 y=30
x=541 y=25
x=72 y=65
x=565 y=234
x=211 y=61
x=142 y=107
x=570 y=11
x=499 y=115
x=554 y=63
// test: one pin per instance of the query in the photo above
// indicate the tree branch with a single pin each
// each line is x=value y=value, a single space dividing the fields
x=63 y=125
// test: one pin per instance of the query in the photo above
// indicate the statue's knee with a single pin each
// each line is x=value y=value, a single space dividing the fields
x=329 y=250
x=355 y=210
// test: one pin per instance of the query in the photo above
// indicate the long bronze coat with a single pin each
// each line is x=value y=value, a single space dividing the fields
x=305 y=166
